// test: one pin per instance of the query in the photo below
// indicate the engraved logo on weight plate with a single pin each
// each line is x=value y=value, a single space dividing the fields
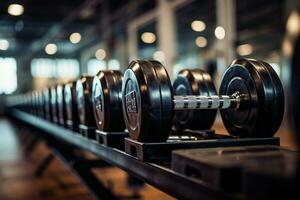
x=131 y=104
x=98 y=102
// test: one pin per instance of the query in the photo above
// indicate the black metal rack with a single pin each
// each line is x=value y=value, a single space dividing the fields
x=159 y=175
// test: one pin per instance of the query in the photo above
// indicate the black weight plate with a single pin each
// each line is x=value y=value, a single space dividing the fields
x=166 y=94
x=84 y=100
x=33 y=102
x=253 y=81
x=54 y=106
x=278 y=99
x=38 y=104
x=62 y=115
x=107 y=101
x=41 y=103
x=194 y=82
x=210 y=84
x=47 y=103
x=141 y=102
x=71 y=102
x=210 y=114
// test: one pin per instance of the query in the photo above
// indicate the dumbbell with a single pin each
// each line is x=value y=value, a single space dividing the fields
x=40 y=99
x=85 y=106
x=33 y=102
x=70 y=97
x=251 y=100
x=54 y=105
x=47 y=103
x=107 y=101
x=60 y=98
x=194 y=82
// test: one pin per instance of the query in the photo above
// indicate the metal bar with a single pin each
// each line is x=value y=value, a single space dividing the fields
x=191 y=102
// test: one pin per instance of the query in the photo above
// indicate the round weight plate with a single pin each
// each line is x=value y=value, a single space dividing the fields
x=166 y=94
x=107 y=101
x=279 y=104
x=54 y=106
x=33 y=102
x=194 y=82
x=41 y=103
x=84 y=100
x=71 y=102
x=255 y=81
x=47 y=103
x=142 y=102
x=61 y=103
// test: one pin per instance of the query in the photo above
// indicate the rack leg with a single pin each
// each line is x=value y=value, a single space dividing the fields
x=43 y=165
x=81 y=168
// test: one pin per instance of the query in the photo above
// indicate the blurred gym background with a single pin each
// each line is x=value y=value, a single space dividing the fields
x=48 y=41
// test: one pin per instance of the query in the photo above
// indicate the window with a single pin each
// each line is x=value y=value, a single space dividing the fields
x=147 y=42
x=8 y=75
x=95 y=65
x=195 y=24
x=59 y=68
x=113 y=64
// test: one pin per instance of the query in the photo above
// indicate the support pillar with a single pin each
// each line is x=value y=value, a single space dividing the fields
x=166 y=30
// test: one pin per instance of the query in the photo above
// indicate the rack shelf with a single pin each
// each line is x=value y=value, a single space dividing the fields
x=159 y=175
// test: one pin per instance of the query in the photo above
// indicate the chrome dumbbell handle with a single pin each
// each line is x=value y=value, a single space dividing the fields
x=192 y=102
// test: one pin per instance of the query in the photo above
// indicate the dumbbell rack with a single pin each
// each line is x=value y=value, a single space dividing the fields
x=111 y=139
x=158 y=174
x=162 y=151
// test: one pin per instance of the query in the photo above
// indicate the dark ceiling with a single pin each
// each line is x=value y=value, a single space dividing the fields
x=47 y=21
x=39 y=17
x=54 y=20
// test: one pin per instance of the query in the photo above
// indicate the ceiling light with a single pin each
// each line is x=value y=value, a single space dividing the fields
x=51 y=49
x=75 y=38
x=198 y=25
x=245 y=49
x=4 y=44
x=220 y=33
x=15 y=9
x=148 y=37
x=293 y=24
x=100 y=54
x=201 y=41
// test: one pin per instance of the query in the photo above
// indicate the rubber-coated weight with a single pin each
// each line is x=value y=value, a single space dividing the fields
x=194 y=82
x=62 y=114
x=254 y=81
x=107 y=101
x=84 y=100
x=142 y=101
x=71 y=102
x=54 y=106
x=47 y=103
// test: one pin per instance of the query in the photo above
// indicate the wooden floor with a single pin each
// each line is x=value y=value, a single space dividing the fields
x=17 y=180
